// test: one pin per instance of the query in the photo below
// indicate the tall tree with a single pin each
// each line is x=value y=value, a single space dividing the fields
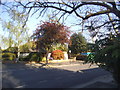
x=48 y=34
x=17 y=34
x=78 y=43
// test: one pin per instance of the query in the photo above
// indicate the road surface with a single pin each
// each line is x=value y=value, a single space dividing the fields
x=22 y=76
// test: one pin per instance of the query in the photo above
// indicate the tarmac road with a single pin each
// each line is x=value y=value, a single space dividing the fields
x=22 y=76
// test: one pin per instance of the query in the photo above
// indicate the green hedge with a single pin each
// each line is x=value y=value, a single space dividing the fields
x=32 y=57
x=8 y=56
x=25 y=58
x=35 y=57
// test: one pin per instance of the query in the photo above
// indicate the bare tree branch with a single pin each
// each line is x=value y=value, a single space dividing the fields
x=108 y=22
x=72 y=7
x=97 y=13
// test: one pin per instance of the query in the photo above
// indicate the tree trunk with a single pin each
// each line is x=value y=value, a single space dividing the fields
x=46 y=57
x=18 y=54
x=47 y=52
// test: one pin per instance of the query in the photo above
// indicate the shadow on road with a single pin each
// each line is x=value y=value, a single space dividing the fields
x=21 y=76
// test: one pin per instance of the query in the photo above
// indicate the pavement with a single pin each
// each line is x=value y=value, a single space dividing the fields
x=104 y=81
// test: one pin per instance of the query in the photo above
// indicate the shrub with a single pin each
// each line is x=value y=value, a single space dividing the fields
x=33 y=56
x=8 y=56
x=107 y=55
x=90 y=58
x=57 y=55
x=43 y=59
x=25 y=58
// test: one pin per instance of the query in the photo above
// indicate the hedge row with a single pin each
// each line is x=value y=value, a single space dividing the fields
x=8 y=56
x=32 y=57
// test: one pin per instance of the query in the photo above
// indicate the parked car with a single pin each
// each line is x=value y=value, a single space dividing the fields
x=82 y=56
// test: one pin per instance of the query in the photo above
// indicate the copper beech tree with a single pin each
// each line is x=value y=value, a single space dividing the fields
x=48 y=34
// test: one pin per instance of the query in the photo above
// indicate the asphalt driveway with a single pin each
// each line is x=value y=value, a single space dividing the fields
x=23 y=76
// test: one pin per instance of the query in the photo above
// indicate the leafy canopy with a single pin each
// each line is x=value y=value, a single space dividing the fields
x=107 y=52
x=48 y=34
x=78 y=43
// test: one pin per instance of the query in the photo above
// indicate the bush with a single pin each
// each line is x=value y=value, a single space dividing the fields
x=90 y=58
x=43 y=59
x=80 y=57
x=33 y=56
x=107 y=55
x=8 y=56
x=57 y=55
x=25 y=58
